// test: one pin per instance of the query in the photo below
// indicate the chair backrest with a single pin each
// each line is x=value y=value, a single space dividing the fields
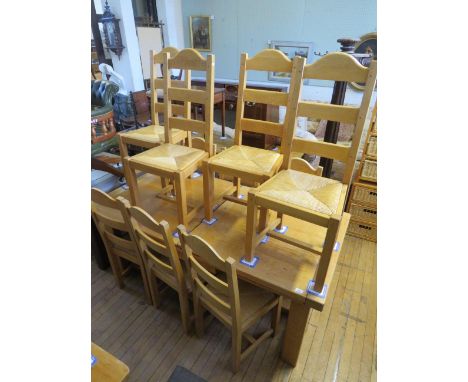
x=141 y=103
x=268 y=60
x=157 y=108
x=157 y=247
x=109 y=216
x=215 y=293
x=337 y=66
x=189 y=59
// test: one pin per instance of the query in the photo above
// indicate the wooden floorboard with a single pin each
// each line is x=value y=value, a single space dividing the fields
x=339 y=343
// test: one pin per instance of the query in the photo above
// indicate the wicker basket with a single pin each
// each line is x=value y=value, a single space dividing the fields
x=372 y=147
x=364 y=194
x=369 y=170
x=363 y=230
x=365 y=213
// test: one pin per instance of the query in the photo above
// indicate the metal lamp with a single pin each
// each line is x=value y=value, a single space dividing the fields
x=111 y=28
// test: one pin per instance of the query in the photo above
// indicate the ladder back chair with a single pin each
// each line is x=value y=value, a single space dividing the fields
x=237 y=304
x=161 y=259
x=110 y=218
x=153 y=135
x=251 y=163
x=170 y=160
x=300 y=191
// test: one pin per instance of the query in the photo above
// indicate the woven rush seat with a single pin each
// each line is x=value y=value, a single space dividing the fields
x=169 y=156
x=250 y=159
x=153 y=134
x=305 y=190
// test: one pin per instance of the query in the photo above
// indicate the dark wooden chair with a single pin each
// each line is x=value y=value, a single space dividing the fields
x=141 y=111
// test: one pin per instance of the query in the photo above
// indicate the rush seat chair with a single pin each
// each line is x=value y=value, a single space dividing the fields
x=237 y=304
x=251 y=163
x=299 y=190
x=162 y=262
x=153 y=135
x=110 y=218
x=169 y=160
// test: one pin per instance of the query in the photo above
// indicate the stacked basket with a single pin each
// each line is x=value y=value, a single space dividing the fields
x=362 y=203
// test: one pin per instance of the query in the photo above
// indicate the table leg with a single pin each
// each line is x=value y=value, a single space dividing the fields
x=295 y=330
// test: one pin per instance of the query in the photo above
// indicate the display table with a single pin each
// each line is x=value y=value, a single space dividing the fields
x=282 y=268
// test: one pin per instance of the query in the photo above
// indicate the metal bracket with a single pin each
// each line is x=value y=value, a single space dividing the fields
x=265 y=239
x=210 y=222
x=195 y=175
x=310 y=289
x=250 y=264
x=282 y=230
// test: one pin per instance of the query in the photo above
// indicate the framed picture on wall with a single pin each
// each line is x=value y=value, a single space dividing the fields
x=290 y=49
x=367 y=45
x=200 y=33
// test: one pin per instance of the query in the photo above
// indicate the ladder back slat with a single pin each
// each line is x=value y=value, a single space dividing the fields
x=328 y=112
x=158 y=263
x=118 y=241
x=268 y=97
x=187 y=95
x=262 y=127
x=322 y=149
x=211 y=298
x=121 y=226
x=217 y=284
x=187 y=125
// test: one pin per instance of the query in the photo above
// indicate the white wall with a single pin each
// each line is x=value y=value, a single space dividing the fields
x=170 y=13
x=129 y=63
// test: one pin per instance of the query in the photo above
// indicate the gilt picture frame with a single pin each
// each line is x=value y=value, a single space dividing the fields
x=290 y=49
x=200 y=33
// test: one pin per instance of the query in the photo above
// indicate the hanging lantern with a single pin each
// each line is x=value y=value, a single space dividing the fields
x=111 y=31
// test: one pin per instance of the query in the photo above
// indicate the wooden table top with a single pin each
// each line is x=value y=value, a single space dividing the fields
x=282 y=267
x=107 y=368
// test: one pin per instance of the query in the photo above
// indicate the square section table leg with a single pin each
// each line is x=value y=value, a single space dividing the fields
x=295 y=329
x=251 y=227
x=181 y=198
x=208 y=190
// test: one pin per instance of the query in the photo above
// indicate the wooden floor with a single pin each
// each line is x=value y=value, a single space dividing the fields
x=339 y=343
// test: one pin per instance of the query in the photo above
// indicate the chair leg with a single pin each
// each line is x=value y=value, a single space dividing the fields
x=199 y=327
x=276 y=316
x=153 y=284
x=181 y=198
x=116 y=266
x=144 y=277
x=123 y=148
x=208 y=190
x=262 y=223
x=237 y=183
x=280 y=224
x=184 y=311
x=250 y=230
x=132 y=181
x=236 y=349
